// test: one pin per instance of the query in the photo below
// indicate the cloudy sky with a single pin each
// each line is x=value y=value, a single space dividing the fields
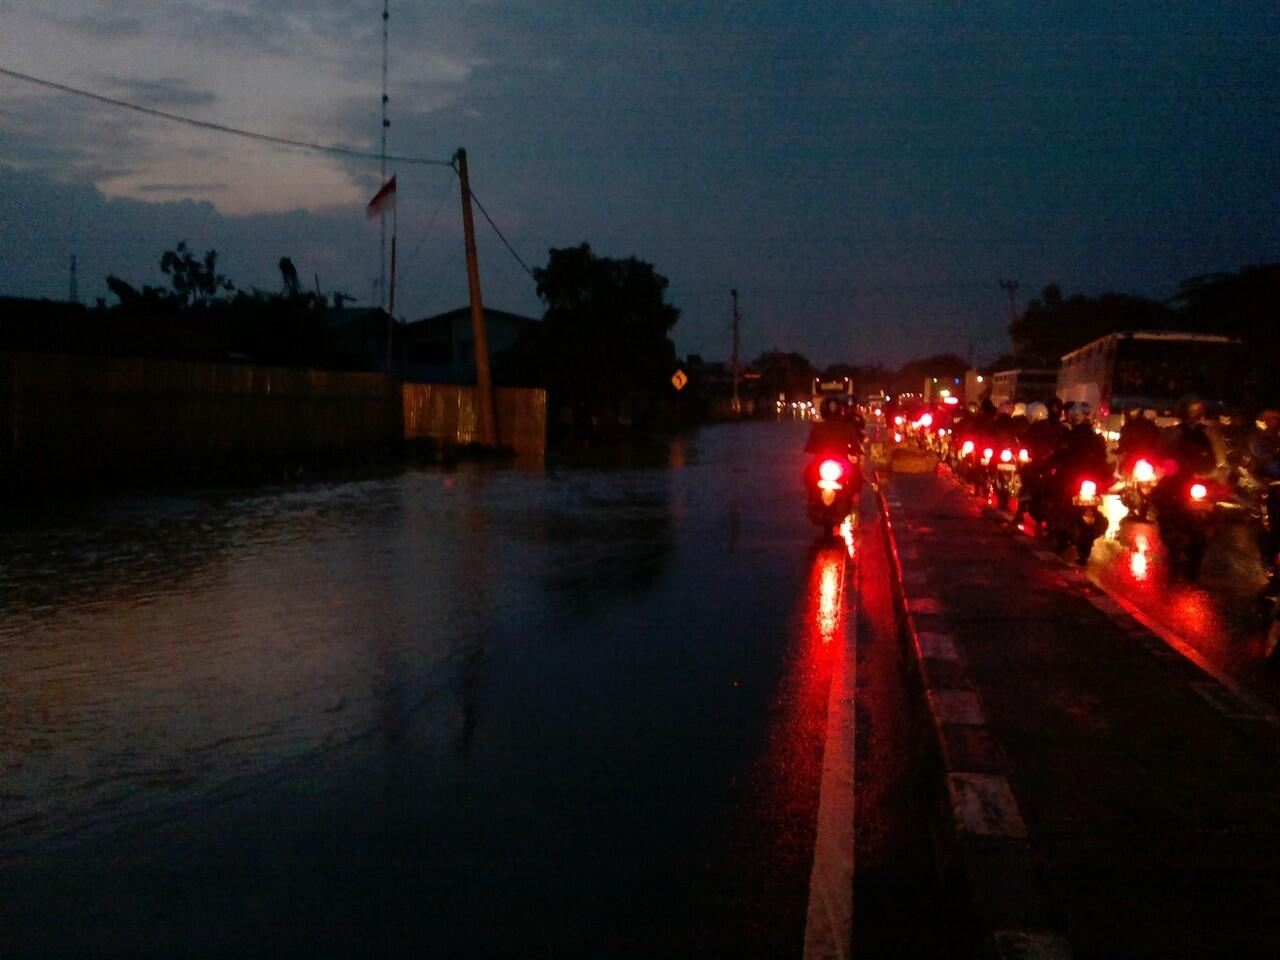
x=862 y=171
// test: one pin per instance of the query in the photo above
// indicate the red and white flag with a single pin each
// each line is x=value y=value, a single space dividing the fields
x=383 y=200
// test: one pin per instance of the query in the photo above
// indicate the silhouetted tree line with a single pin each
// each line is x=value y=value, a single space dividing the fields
x=1244 y=305
x=201 y=316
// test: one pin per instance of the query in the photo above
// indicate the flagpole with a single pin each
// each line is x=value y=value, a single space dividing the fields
x=391 y=309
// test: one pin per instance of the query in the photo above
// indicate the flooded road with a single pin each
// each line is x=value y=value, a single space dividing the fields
x=571 y=711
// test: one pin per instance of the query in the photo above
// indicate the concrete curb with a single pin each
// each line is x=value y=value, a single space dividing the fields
x=982 y=847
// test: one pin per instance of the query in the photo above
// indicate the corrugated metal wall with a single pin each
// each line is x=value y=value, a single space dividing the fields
x=75 y=419
x=447 y=414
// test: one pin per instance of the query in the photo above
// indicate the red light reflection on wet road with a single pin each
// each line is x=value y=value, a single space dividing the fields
x=1210 y=618
x=779 y=815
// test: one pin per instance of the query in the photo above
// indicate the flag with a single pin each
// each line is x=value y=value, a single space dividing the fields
x=383 y=200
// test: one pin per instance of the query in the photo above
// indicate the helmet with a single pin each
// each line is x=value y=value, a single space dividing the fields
x=831 y=408
x=1192 y=407
x=1019 y=409
x=1078 y=413
x=1037 y=411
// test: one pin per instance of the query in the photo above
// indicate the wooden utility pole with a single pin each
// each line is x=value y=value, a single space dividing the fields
x=487 y=423
x=737 y=403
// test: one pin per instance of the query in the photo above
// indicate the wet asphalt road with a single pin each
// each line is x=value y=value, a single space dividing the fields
x=1216 y=620
x=576 y=712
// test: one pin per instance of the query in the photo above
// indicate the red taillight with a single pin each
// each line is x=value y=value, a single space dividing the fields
x=1143 y=472
x=987 y=453
x=1024 y=456
x=1199 y=491
x=1006 y=456
x=876 y=411
x=897 y=438
x=830 y=470
x=926 y=420
x=1088 y=489
x=897 y=421
x=967 y=448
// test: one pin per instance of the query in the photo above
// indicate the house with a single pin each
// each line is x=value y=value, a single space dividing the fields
x=441 y=349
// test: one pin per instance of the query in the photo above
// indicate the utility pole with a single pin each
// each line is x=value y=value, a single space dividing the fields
x=737 y=403
x=75 y=290
x=487 y=422
x=1011 y=287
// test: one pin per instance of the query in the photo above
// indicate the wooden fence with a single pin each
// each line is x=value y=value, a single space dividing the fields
x=447 y=415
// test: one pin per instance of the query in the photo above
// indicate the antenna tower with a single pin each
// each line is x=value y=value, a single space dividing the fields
x=382 y=219
x=1011 y=287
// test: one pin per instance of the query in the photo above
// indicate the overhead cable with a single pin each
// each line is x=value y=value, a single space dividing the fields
x=333 y=149
x=505 y=242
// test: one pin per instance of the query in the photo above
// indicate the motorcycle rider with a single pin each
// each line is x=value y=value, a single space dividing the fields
x=1188 y=452
x=836 y=432
x=1139 y=437
x=1042 y=438
x=1082 y=452
x=838 y=436
x=1264 y=464
x=1189 y=448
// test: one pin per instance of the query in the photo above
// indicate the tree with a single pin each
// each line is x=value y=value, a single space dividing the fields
x=194 y=281
x=789 y=374
x=947 y=367
x=289 y=276
x=602 y=348
x=1052 y=326
x=1244 y=305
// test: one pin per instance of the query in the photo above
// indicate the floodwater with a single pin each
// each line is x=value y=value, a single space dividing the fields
x=573 y=710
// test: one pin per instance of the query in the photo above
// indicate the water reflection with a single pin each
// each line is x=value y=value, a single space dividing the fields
x=787 y=778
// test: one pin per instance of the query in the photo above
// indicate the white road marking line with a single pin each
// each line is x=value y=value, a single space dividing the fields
x=828 y=929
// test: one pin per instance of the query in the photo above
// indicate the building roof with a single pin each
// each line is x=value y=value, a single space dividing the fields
x=1167 y=335
x=489 y=312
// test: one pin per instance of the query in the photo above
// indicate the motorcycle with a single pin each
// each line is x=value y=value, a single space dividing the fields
x=1007 y=483
x=1188 y=518
x=833 y=482
x=1139 y=479
x=1075 y=514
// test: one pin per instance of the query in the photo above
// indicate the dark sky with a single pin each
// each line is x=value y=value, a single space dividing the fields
x=863 y=173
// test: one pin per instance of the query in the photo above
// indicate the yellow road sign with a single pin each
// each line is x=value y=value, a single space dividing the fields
x=678 y=379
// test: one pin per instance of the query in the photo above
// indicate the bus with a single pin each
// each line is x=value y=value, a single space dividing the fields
x=1151 y=369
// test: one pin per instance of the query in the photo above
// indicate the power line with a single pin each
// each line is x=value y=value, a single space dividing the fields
x=501 y=236
x=218 y=127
